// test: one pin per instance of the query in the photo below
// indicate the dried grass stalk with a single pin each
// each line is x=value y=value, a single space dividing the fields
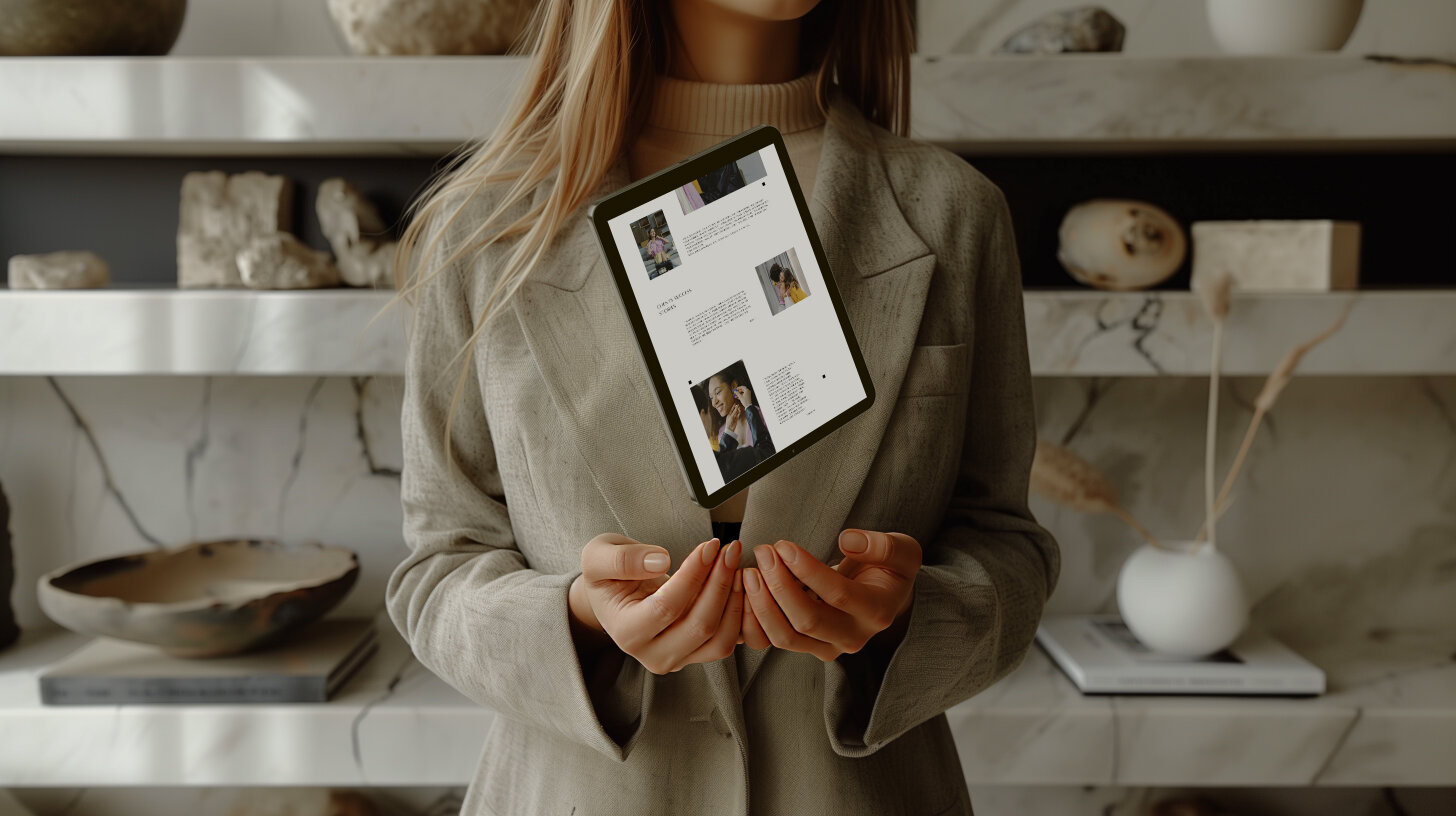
x=1215 y=290
x=1268 y=395
x=1063 y=477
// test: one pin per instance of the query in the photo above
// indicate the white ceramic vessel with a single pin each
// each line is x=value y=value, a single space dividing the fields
x=1181 y=600
x=1282 y=26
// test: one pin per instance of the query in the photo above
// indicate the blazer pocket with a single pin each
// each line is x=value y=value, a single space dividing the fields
x=936 y=371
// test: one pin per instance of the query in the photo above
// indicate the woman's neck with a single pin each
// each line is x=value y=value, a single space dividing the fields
x=720 y=45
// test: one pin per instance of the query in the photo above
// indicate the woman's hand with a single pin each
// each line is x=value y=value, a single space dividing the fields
x=798 y=603
x=736 y=423
x=664 y=622
x=744 y=396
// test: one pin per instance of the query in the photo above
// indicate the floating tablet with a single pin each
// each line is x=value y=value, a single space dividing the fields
x=723 y=279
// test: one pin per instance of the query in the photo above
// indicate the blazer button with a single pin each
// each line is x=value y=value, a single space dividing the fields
x=719 y=724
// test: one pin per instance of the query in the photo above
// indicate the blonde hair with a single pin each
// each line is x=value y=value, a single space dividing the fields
x=584 y=96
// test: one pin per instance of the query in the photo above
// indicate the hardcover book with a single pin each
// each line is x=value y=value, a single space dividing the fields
x=1101 y=656
x=308 y=667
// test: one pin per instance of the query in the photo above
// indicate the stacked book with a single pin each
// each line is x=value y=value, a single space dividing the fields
x=309 y=667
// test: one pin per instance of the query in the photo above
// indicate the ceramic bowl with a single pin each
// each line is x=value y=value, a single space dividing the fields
x=205 y=599
x=129 y=28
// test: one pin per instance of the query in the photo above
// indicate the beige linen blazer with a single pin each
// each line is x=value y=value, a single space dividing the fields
x=558 y=441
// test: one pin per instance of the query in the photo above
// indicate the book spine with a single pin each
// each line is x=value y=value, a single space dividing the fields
x=170 y=691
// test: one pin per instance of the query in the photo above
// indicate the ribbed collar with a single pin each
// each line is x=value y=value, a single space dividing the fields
x=714 y=109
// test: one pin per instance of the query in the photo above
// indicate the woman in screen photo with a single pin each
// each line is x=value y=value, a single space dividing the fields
x=643 y=654
x=743 y=439
x=787 y=286
x=657 y=248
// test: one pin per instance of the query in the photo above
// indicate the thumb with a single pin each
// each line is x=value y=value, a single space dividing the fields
x=893 y=550
x=618 y=558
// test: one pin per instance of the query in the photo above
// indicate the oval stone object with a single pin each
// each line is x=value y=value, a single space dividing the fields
x=1121 y=245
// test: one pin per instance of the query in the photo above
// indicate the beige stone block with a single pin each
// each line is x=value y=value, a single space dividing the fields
x=220 y=215
x=1279 y=256
x=59 y=270
x=281 y=261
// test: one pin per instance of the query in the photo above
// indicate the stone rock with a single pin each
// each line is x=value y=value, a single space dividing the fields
x=220 y=215
x=281 y=261
x=1121 y=245
x=8 y=630
x=1279 y=256
x=430 y=26
x=353 y=227
x=1088 y=28
x=59 y=270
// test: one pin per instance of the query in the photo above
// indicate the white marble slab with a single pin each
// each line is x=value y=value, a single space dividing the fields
x=1069 y=333
x=1091 y=333
x=171 y=331
x=377 y=106
x=397 y=724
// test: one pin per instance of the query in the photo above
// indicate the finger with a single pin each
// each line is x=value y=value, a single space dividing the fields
x=657 y=611
x=720 y=646
x=612 y=557
x=895 y=551
x=814 y=619
x=701 y=621
x=753 y=635
x=777 y=627
x=830 y=586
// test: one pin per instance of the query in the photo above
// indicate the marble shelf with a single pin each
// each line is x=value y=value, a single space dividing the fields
x=407 y=105
x=1069 y=333
x=397 y=724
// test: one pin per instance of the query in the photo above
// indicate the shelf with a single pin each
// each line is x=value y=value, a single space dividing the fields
x=200 y=331
x=397 y=724
x=413 y=105
x=1069 y=333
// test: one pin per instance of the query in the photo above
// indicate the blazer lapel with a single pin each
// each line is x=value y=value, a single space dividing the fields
x=585 y=350
x=883 y=272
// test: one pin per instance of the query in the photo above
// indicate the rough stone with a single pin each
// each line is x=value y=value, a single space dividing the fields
x=1084 y=29
x=219 y=216
x=59 y=270
x=354 y=229
x=281 y=261
x=430 y=26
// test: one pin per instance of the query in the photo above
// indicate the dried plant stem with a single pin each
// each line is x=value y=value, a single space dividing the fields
x=1210 y=444
x=1281 y=376
x=1117 y=510
x=1062 y=476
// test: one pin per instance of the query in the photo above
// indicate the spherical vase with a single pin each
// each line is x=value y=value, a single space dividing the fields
x=1182 y=600
x=89 y=28
x=1282 y=26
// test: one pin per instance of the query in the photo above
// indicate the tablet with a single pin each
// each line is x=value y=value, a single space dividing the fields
x=737 y=318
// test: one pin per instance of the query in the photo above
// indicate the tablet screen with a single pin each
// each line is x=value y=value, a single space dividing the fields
x=753 y=349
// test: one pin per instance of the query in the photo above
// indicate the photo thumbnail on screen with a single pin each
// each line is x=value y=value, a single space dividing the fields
x=716 y=184
x=654 y=241
x=782 y=280
x=733 y=421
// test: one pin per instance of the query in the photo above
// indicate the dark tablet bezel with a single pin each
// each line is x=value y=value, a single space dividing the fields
x=666 y=181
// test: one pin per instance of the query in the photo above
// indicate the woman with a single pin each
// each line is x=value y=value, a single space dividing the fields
x=558 y=572
x=786 y=284
x=657 y=248
x=743 y=438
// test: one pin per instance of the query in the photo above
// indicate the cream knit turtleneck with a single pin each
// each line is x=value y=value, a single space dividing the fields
x=687 y=117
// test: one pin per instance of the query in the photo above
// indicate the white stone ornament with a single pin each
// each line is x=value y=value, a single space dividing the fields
x=281 y=261
x=1121 y=245
x=1182 y=600
x=59 y=270
x=1282 y=26
x=375 y=27
x=1279 y=256
x=219 y=216
x=353 y=226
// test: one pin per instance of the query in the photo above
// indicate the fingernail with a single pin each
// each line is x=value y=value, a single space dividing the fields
x=787 y=551
x=730 y=554
x=656 y=562
x=853 y=541
x=765 y=557
x=710 y=551
x=750 y=580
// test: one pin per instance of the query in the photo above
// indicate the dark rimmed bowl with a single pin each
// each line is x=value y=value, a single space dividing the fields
x=205 y=599
x=90 y=28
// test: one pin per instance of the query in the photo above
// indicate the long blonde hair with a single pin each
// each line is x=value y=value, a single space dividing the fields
x=584 y=96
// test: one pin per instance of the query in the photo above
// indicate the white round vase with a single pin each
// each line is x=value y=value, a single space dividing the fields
x=1282 y=26
x=1180 y=600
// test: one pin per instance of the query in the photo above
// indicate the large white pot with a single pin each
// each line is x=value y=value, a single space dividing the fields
x=1282 y=26
x=1182 y=601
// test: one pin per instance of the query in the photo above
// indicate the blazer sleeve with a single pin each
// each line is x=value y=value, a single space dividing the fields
x=984 y=580
x=466 y=599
